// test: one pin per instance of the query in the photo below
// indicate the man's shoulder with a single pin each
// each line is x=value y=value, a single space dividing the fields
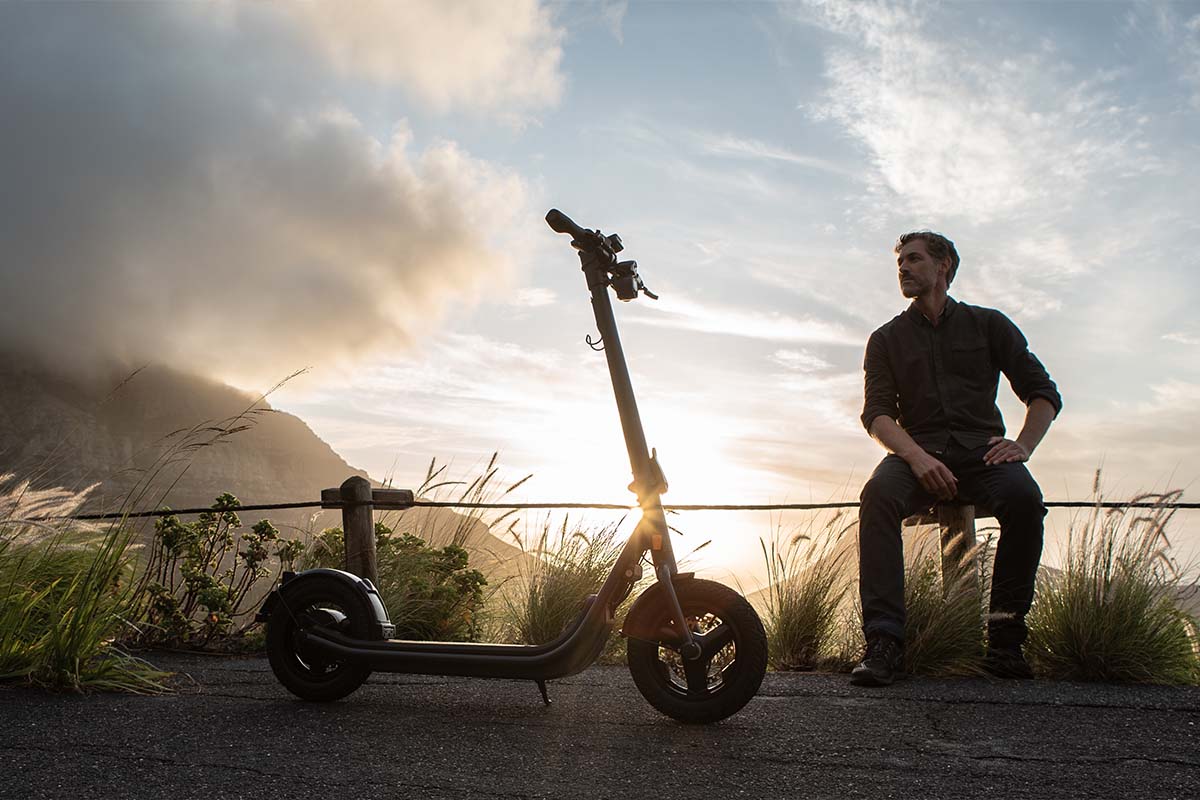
x=971 y=308
x=890 y=325
x=982 y=314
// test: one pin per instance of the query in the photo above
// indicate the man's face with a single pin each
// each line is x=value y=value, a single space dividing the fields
x=919 y=273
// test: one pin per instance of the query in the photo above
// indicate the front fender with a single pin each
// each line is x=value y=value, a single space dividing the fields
x=639 y=622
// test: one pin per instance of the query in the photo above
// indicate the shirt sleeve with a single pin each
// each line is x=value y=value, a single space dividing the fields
x=1024 y=371
x=879 y=387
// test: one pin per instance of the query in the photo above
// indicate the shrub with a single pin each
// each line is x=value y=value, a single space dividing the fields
x=199 y=575
x=1113 y=612
x=430 y=593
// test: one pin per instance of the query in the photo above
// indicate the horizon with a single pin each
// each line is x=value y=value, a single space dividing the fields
x=279 y=188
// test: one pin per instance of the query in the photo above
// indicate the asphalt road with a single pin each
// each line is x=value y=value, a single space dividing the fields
x=233 y=732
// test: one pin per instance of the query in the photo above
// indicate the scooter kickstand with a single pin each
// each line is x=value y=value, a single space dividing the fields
x=542 y=688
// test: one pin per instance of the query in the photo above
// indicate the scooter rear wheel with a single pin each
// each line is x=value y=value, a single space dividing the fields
x=730 y=666
x=302 y=669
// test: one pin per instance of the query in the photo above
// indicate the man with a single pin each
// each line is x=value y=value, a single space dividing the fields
x=930 y=399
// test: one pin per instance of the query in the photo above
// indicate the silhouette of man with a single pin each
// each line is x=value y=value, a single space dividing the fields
x=930 y=399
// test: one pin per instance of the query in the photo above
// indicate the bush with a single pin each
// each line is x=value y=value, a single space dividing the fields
x=430 y=593
x=1113 y=612
x=199 y=575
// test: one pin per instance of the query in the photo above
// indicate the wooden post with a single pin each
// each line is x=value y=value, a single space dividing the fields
x=358 y=524
x=957 y=524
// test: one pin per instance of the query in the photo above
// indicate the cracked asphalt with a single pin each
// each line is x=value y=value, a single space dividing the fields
x=230 y=731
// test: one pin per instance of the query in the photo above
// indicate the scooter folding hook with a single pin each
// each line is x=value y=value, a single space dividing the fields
x=597 y=344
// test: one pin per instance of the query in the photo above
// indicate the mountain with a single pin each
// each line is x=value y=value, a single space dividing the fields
x=164 y=437
x=188 y=437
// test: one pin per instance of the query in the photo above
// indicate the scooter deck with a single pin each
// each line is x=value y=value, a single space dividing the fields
x=556 y=659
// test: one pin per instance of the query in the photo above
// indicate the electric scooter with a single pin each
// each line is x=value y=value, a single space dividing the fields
x=696 y=649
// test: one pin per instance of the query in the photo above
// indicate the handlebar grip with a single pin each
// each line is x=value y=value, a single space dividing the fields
x=561 y=223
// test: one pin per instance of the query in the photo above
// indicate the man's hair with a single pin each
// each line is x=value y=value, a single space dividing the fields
x=938 y=246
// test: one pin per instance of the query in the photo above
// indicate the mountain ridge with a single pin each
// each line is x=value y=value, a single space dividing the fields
x=160 y=437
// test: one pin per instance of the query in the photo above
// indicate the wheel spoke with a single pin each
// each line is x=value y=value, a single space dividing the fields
x=712 y=641
x=697 y=675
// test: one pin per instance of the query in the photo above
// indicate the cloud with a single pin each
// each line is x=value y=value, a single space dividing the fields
x=1142 y=445
x=1178 y=37
x=740 y=147
x=468 y=55
x=799 y=360
x=179 y=189
x=534 y=297
x=956 y=125
x=613 y=14
x=676 y=311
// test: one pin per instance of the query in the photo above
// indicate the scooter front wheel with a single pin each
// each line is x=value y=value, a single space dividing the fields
x=304 y=670
x=721 y=675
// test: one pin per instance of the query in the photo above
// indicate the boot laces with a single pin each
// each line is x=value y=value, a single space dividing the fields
x=882 y=647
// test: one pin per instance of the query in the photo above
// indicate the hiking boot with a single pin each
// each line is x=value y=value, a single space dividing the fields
x=1008 y=663
x=880 y=663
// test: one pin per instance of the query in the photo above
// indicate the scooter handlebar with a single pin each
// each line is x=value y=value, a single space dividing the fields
x=561 y=223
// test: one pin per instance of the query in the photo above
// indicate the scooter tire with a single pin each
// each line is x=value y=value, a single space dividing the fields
x=657 y=667
x=307 y=674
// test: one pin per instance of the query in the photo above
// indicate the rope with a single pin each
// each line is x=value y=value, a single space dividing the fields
x=600 y=506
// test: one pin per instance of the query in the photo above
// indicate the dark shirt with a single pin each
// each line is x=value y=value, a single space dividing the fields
x=939 y=382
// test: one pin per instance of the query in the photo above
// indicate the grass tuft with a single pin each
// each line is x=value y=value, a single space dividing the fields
x=943 y=627
x=1113 y=613
x=63 y=603
x=806 y=586
x=568 y=565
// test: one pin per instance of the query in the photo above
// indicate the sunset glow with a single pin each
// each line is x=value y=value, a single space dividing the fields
x=361 y=193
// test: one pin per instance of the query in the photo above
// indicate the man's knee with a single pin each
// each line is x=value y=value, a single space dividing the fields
x=880 y=492
x=1019 y=494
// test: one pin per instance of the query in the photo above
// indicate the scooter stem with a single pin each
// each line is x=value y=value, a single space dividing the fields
x=648 y=482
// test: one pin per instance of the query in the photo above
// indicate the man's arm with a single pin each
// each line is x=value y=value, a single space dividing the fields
x=932 y=474
x=1025 y=372
x=880 y=412
x=1038 y=416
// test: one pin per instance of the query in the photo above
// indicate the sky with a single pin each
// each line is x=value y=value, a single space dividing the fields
x=248 y=190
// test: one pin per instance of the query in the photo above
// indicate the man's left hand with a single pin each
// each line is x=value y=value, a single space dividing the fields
x=1005 y=450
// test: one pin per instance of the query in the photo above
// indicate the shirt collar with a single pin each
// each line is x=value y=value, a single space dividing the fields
x=916 y=316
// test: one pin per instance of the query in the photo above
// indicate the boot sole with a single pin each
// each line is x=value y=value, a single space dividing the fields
x=870 y=679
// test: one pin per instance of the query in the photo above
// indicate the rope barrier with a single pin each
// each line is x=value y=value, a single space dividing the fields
x=594 y=506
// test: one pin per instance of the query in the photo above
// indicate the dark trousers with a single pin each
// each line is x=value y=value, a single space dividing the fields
x=893 y=493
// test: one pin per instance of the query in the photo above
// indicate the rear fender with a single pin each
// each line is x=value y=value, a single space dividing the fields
x=379 y=626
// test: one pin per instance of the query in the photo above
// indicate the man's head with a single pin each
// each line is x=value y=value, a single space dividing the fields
x=924 y=259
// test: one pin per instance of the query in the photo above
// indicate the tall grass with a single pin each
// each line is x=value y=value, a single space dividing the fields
x=484 y=488
x=65 y=597
x=807 y=585
x=943 y=626
x=568 y=565
x=1113 y=612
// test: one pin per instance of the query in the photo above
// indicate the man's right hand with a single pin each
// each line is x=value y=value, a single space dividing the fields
x=934 y=476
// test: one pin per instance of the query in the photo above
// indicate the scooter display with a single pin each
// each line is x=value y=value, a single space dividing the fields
x=696 y=649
